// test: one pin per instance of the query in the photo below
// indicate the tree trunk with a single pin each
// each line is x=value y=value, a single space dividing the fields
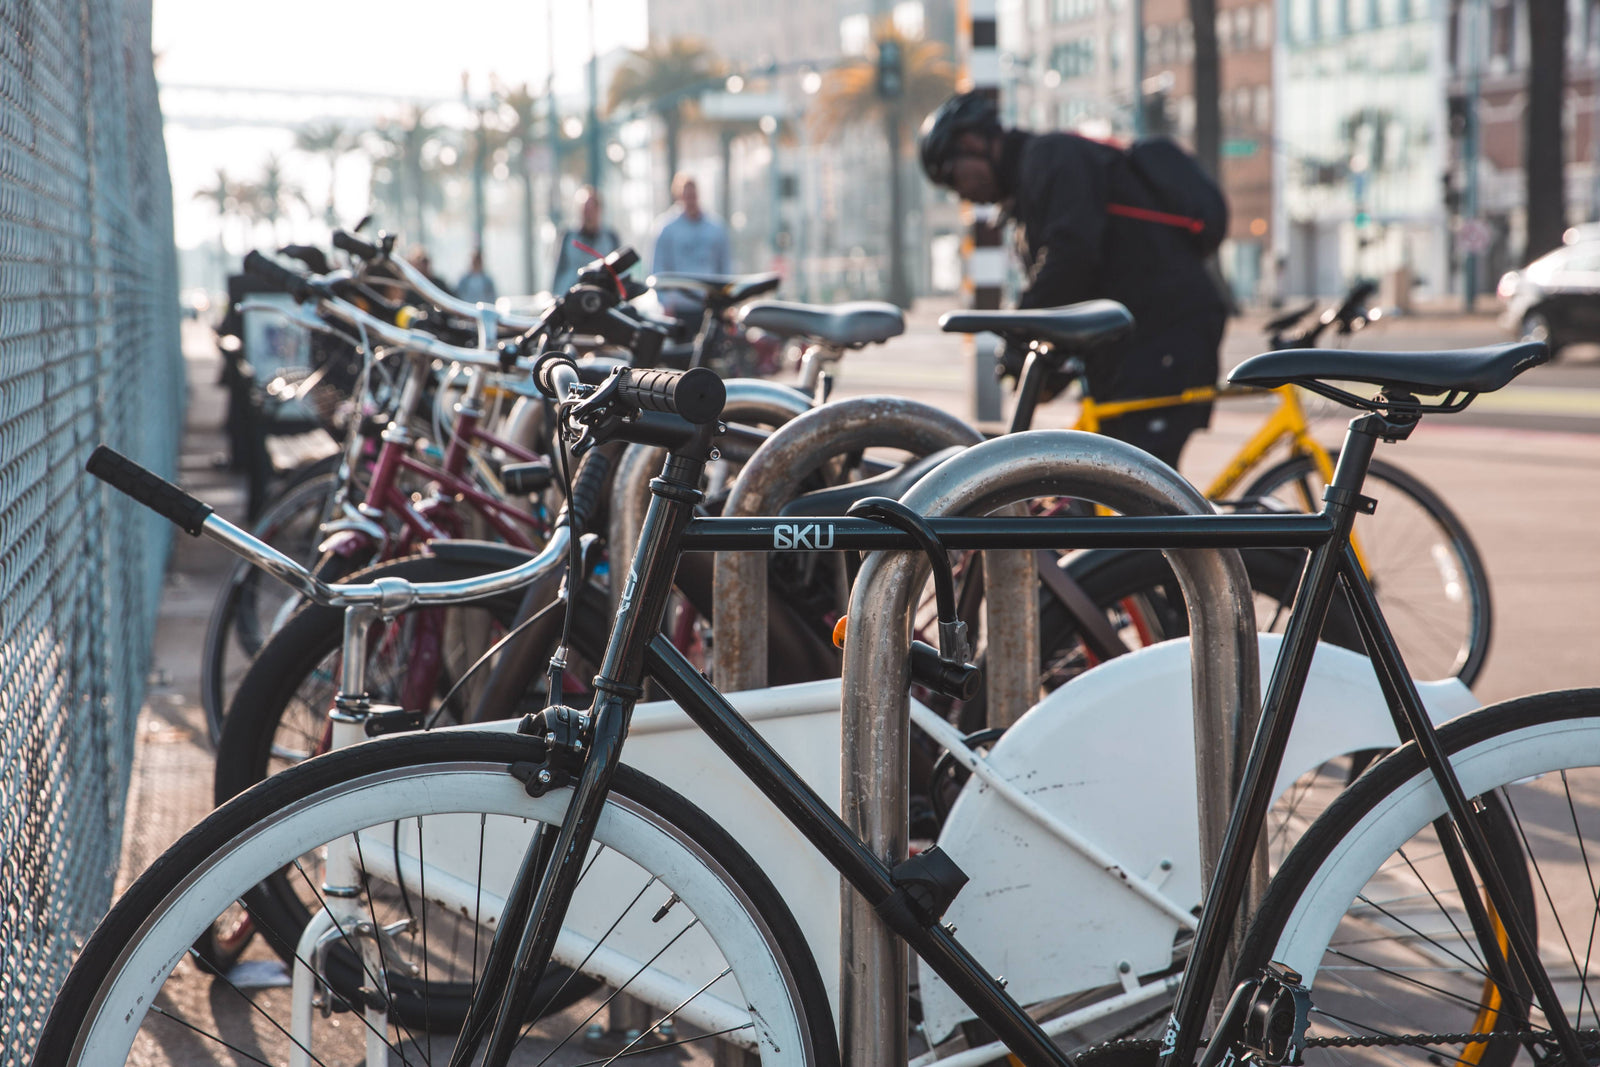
x=1207 y=86
x=674 y=122
x=725 y=207
x=1544 y=149
x=899 y=287
x=530 y=284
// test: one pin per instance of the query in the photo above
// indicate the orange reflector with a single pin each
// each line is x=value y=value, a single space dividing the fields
x=839 y=629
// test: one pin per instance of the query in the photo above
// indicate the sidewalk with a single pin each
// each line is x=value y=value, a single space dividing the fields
x=171 y=784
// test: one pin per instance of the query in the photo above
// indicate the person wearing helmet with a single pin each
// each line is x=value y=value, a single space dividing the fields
x=1057 y=187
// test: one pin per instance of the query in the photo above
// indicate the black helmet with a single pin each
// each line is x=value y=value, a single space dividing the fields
x=971 y=111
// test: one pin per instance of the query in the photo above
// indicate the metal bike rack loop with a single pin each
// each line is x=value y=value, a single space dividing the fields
x=750 y=400
x=771 y=479
x=874 y=703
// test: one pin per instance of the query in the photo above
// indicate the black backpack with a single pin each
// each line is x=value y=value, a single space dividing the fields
x=1186 y=196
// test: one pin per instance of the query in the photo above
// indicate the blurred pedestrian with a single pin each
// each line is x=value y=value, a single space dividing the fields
x=476 y=286
x=1095 y=220
x=418 y=257
x=691 y=241
x=600 y=239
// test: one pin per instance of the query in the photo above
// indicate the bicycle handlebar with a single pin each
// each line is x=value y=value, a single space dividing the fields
x=345 y=241
x=150 y=489
x=387 y=595
x=694 y=395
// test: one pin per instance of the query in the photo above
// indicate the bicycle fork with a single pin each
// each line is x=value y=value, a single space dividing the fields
x=524 y=943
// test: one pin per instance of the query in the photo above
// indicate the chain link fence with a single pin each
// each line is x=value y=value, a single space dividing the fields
x=89 y=352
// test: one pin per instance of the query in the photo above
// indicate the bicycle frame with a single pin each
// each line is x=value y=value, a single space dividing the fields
x=636 y=647
x=1287 y=421
x=385 y=496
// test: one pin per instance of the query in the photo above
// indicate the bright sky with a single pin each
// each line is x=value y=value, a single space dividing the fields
x=405 y=48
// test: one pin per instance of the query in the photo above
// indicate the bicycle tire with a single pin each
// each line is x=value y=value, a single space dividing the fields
x=1372 y=846
x=236 y=627
x=646 y=835
x=1443 y=628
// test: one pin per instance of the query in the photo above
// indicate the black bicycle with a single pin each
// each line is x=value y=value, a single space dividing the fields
x=544 y=847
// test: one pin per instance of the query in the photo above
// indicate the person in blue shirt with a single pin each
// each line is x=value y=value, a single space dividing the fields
x=689 y=240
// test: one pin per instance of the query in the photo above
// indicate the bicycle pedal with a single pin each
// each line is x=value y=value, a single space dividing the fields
x=1275 y=1023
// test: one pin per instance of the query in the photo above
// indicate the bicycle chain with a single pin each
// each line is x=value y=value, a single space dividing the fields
x=1116 y=1046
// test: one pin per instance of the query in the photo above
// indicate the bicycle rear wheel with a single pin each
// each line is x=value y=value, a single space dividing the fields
x=1426 y=571
x=1364 y=907
x=670 y=910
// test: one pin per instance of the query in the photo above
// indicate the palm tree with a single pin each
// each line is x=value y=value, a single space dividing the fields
x=522 y=108
x=850 y=95
x=223 y=196
x=332 y=141
x=403 y=178
x=269 y=198
x=665 y=78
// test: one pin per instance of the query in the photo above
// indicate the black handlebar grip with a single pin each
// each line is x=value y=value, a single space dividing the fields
x=553 y=371
x=623 y=260
x=274 y=273
x=588 y=489
x=345 y=241
x=695 y=395
x=151 y=490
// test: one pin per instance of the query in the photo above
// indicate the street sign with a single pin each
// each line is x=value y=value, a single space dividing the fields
x=1474 y=236
x=1239 y=148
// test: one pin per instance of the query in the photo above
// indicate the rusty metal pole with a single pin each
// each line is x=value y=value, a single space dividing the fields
x=875 y=709
x=771 y=479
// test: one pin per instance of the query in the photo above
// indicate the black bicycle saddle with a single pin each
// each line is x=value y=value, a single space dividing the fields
x=1461 y=370
x=1076 y=327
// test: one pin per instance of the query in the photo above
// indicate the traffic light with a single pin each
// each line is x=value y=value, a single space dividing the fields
x=1452 y=195
x=891 y=70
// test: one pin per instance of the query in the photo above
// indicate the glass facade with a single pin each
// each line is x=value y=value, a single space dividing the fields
x=1362 y=145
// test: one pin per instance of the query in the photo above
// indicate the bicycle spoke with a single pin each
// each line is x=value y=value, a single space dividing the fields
x=1437 y=903
x=669 y=1015
x=583 y=962
x=252 y=1057
x=618 y=991
x=1594 y=896
x=1393 y=973
x=359 y=955
x=1549 y=899
x=666 y=1045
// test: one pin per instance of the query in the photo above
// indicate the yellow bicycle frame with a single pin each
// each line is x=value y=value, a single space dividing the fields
x=1287 y=421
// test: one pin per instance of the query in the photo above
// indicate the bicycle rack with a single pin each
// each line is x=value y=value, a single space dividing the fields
x=771 y=479
x=875 y=710
x=750 y=400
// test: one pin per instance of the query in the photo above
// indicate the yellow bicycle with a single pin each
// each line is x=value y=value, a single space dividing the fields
x=1421 y=560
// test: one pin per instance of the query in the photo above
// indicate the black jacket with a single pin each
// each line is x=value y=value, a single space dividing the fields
x=1058 y=186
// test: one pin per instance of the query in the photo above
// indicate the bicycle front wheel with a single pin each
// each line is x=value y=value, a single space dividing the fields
x=1424 y=568
x=669 y=909
x=1367 y=911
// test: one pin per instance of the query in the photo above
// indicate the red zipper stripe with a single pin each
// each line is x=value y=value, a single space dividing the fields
x=1144 y=214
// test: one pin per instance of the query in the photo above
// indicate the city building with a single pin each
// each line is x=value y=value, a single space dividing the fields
x=1487 y=43
x=1244 y=50
x=1361 y=145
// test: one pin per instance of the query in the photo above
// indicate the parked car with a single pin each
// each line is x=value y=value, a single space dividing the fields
x=1556 y=298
